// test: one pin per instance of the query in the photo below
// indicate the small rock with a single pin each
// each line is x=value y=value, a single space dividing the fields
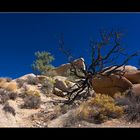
x=59 y=92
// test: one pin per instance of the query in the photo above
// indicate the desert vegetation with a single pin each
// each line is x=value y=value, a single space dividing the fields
x=76 y=94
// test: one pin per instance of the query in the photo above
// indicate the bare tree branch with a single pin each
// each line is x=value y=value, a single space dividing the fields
x=110 y=40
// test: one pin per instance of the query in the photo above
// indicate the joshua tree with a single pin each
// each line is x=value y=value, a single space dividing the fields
x=101 y=63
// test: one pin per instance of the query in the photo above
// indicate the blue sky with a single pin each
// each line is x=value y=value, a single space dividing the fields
x=22 y=34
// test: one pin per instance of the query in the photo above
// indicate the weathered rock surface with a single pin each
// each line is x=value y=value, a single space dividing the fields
x=133 y=77
x=58 y=92
x=127 y=69
x=136 y=89
x=63 y=69
x=110 y=85
x=131 y=73
x=25 y=77
x=60 y=85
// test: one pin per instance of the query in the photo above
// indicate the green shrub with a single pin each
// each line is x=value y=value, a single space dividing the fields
x=42 y=63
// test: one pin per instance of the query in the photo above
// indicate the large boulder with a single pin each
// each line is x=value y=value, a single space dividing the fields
x=131 y=73
x=133 y=77
x=110 y=84
x=136 y=89
x=64 y=69
x=127 y=69
x=130 y=69
x=60 y=84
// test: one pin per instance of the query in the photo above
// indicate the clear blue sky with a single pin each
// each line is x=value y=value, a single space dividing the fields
x=22 y=34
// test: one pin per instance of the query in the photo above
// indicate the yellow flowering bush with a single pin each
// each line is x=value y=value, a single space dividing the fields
x=99 y=109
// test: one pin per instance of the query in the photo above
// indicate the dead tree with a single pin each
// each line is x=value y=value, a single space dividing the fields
x=101 y=63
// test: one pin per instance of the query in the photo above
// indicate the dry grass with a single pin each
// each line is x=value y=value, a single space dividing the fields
x=6 y=79
x=100 y=108
x=6 y=84
x=3 y=84
x=12 y=86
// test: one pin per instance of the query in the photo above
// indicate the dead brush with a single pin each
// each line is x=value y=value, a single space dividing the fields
x=132 y=110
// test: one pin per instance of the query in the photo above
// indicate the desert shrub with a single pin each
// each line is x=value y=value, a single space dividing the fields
x=121 y=99
x=31 y=92
x=65 y=109
x=13 y=95
x=32 y=80
x=9 y=86
x=6 y=95
x=8 y=108
x=20 y=82
x=132 y=110
x=31 y=100
x=3 y=84
x=8 y=79
x=46 y=115
x=5 y=79
x=3 y=96
x=12 y=86
x=48 y=85
x=100 y=108
x=28 y=90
